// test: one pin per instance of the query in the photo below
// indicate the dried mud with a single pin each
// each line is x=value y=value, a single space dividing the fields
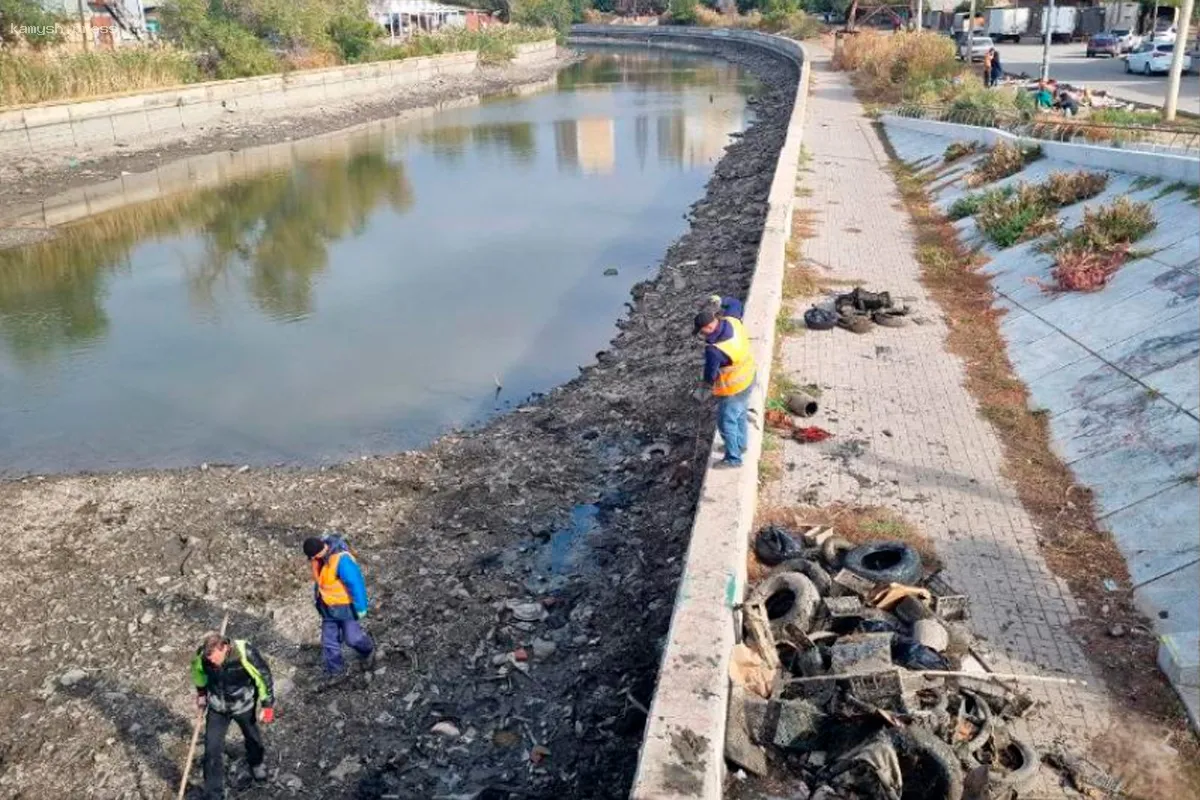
x=111 y=579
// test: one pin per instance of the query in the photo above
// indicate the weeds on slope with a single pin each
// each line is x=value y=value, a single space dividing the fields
x=1001 y=161
x=1028 y=211
x=1088 y=256
x=1076 y=548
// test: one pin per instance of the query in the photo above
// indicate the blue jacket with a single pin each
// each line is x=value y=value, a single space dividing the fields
x=714 y=359
x=732 y=307
x=351 y=576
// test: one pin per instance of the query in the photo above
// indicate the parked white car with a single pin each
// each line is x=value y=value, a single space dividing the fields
x=1154 y=57
x=980 y=45
x=1127 y=40
x=1164 y=36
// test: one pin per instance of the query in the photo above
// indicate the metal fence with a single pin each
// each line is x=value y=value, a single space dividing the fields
x=1180 y=140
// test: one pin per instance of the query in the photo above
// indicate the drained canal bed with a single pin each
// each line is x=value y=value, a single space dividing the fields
x=380 y=288
x=580 y=503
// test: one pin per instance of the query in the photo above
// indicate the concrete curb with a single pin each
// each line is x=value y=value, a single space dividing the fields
x=160 y=116
x=1167 y=166
x=683 y=753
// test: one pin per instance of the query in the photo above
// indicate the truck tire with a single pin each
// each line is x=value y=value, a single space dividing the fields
x=808 y=568
x=885 y=562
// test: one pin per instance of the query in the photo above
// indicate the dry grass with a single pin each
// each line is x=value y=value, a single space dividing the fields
x=800 y=279
x=1001 y=161
x=31 y=77
x=886 y=66
x=1075 y=546
x=957 y=151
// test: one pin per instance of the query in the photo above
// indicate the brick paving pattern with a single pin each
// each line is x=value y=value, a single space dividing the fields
x=908 y=434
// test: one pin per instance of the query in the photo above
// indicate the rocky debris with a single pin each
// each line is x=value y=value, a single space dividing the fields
x=449 y=537
x=847 y=712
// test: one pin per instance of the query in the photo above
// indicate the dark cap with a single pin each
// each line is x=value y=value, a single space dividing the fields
x=703 y=319
x=313 y=546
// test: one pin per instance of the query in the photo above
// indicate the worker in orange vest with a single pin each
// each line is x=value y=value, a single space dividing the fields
x=340 y=595
x=729 y=370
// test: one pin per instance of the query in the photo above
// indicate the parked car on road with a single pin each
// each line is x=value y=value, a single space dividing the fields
x=1163 y=36
x=1127 y=39
x=1103 y=44
x=1154 y=57
x=978 y=49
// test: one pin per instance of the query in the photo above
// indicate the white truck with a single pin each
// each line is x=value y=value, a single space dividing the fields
x=1121 y=16
x=1007 y=24
x=1062 y=25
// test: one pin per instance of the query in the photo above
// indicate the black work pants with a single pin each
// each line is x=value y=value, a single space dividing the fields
x=216 y=725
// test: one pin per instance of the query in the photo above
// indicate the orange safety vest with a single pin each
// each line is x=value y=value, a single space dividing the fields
x=737 y=377
x=329 y=587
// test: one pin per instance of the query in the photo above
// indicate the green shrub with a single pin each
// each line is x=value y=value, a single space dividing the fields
x=967 y=205
x=353 y=35
x=684 y=12
x=25 y=21
x=1001 y=161
x=1021 y=215
x=556 y=14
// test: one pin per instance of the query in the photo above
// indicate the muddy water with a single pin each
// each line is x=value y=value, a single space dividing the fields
x=363 y=293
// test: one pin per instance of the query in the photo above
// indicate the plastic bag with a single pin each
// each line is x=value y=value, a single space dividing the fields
x=774 y=545
x=911 y=654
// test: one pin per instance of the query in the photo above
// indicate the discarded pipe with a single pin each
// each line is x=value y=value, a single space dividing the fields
x=1000 y=676
x=802 y=404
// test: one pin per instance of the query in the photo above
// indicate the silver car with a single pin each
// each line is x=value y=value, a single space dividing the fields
x=980 y=45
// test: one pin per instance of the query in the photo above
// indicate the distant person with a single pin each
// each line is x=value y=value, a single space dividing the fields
x=729 y=373
x=232 y=682
x=1067 y=103
x=1044 y=98
x=996 y=71
x=340 y=595
x=988 y=58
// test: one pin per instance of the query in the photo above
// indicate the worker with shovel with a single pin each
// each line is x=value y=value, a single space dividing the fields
x=730 y=371
x=232 y=681
x=340 y=595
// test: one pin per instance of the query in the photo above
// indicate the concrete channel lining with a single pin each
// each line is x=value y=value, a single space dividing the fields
x=1167 y=166
x=1114 y=370
x=683 y=750
x=155 y=117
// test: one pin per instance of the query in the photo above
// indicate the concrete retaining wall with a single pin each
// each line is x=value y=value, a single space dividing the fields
x=1169 y=167
x=683 y=751
x=160 y=116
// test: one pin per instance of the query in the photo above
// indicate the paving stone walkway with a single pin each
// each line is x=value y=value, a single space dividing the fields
x=908 y=434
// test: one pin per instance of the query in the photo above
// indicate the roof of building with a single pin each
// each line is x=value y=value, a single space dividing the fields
x=415 y=7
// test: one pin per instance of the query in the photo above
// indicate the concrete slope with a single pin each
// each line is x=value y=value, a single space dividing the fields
x=1118 y=371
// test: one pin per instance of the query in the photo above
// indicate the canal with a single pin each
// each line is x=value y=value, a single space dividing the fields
x=364 y=292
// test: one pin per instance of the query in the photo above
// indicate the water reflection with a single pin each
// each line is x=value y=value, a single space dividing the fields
x=269 y=236
x=414 y=264
x=450 y=142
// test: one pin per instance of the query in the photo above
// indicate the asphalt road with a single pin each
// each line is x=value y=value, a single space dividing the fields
x=1069 y=63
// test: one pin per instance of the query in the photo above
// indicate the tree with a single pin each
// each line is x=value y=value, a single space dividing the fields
x=26 y=21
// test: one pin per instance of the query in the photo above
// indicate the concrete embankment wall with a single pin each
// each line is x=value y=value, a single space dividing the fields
x=148 y=118
x=1116 y=370
x=683 y=750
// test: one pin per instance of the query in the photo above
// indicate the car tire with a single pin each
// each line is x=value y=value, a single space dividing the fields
x=1146 y=70
x=789 y=598
x=885 y=562
x=1128 y=69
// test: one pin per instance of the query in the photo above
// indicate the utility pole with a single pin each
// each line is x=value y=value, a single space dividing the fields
x=919 y=14
x=84 y=29
x=970 y=35
x=1046 y=39
x=1181 y=38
